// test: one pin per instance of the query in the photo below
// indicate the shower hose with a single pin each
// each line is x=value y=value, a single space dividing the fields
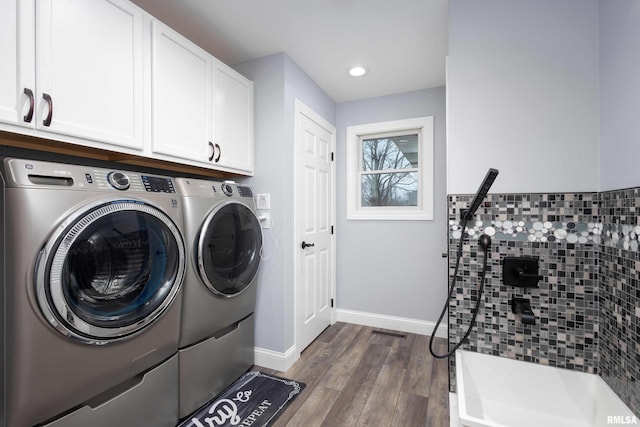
x=485 y=242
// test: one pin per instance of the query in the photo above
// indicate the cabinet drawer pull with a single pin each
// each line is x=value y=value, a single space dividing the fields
x=47 y=120
x=213 y=151
x=29 y=116
x=219 y=153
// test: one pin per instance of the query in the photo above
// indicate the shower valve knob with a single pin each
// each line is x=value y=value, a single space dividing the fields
x=521 y=273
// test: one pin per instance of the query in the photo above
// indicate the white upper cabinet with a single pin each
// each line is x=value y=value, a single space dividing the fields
x=105 y=74
x=202 y=110
x=89 y=70
x=17 y=73
x=180 y=96
x=232 y=118
x=73 y=68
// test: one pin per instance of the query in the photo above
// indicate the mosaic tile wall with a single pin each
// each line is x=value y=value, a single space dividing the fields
x=563 y=231
x=620 y=294
x=587 y=307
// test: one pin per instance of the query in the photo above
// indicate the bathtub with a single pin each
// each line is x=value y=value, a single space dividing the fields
x=500 y=392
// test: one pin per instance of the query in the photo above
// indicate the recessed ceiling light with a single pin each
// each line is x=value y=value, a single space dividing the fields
x=357 y=71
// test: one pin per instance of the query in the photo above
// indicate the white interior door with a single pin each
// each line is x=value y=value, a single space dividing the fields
x=315 y=215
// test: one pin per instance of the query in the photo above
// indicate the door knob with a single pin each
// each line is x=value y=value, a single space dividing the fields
x=307 y=245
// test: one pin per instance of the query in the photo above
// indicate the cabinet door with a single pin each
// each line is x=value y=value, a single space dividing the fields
x=180 y=96
x=233 y=118
x=89 y=62
x=17 y=73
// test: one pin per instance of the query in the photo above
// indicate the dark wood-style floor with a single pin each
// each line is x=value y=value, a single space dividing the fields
x=357 y=377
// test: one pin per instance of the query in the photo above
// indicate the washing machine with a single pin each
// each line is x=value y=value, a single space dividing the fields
x=92 y=261
x=224 y=240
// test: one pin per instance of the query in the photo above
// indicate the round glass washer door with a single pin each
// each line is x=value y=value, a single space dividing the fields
x=110 y=271
x=228 y=249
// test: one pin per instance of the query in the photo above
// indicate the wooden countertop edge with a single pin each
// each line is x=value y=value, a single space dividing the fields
x=51 y=146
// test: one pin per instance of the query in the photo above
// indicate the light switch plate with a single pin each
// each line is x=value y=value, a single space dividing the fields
x=263 y=201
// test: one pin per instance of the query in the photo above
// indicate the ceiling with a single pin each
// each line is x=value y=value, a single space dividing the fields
x=403 y=43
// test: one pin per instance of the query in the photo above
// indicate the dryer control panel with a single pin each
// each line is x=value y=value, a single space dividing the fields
x=227 y=188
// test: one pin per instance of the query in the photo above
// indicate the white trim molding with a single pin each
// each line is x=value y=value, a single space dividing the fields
x=277 y=361
x=281 y=362
x=401 y=324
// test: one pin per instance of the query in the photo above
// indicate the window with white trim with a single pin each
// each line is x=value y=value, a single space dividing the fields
x=390 y=170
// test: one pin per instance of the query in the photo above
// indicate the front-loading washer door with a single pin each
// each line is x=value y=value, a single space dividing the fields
x=109 y=271
x=228 y=249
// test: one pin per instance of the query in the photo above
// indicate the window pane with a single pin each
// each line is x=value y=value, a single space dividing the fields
x=390 y=189
x=397 y=152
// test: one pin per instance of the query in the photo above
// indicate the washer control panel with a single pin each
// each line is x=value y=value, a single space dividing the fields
x=131 y=181
x=30 y=173
x=227 y=189
x=158 y=184
x=118 y=180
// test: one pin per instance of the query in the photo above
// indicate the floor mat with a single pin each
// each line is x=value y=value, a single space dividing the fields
x=255 y=399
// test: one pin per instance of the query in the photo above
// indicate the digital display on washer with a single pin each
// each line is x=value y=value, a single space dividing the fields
x=157 y=184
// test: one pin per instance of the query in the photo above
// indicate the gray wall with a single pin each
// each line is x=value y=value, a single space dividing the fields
x=520 y=99
x=522 y=88
x=277 y=82
x=268 y=79
x=392 y=267
x=619 y=94
x=410 y=249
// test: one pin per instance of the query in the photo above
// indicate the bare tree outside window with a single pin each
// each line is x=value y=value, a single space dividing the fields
x=389 y=175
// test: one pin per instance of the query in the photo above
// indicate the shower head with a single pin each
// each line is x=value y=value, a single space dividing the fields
x=467 y=214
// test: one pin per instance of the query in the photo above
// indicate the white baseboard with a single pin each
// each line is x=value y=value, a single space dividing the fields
x=401 y=324
x=281 y=362
x=277 y=361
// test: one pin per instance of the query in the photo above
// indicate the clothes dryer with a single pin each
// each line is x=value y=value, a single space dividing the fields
x=224 y=240
x=93 y=261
